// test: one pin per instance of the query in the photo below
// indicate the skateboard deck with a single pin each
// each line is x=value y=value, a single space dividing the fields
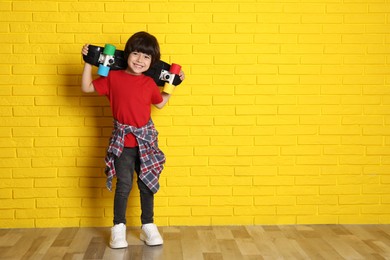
x=161 y=72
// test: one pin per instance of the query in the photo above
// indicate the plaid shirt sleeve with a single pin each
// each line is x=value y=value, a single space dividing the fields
x=151 y=157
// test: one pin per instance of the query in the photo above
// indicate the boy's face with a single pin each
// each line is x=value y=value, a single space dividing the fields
x=138 y=62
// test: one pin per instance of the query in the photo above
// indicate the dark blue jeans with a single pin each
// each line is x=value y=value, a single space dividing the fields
x=125 y=166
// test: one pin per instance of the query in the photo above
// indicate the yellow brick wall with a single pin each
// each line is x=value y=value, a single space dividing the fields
x=284 y=117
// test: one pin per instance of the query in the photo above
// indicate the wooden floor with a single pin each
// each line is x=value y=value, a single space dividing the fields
x=219 y=242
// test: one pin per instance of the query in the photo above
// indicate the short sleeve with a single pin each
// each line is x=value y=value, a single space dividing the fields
x=101 y=85
x=156 y=95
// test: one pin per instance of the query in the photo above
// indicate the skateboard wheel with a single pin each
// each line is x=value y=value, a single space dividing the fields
x=109 y=49
x=168 y=88
x=175 y=68
x=103 y=70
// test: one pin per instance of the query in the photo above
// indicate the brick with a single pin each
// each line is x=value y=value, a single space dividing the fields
x=340 y=189
x=273 y=160
x=256 y=151
x=52 y=101
x=214 y=28
x=338 y=210
x=338 y=130
x=135 y=17
x=212 y=211
x=33 y=90
x=16 y=142
x=81 y=212
x=53 y=162
x=231 y=181
x=346 y=8
x=258 y=210
x=375 y=188
x=6 y=194
x=82 y=7
x=248 y=220
x=274 y=200
x=297 y=210
x=341 y=169
x=16 y=203
x=230 y=161
x=314 y=160
x=254 y=191
x=34 y=132
x=256 y=110
x=55 y=141
x=15 y=17
x=38 y=152
x=7 y=214
x=5 y=111
x=279 y=18
x=179 y=161
x=299 y=170
x=16 y=101
x=344 y=150
x=231 y=201
x=37 y=213
x=78 y=131
x=297 y=190
x=189 y=201
x=187 y=181
x=275 y=140
x=300 y=150
x=32 y=28
x=221 y=110
x=29 y=173
x=227 y=140
x=176 y=211
x=211 y=171
x=366 y=219
x=35 y=111
x=235 y=121
x=212 y=151
x=317 y=199
x=358 y=200
x=15 y=162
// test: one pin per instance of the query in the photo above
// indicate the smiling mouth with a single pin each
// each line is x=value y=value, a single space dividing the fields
x=138 y=66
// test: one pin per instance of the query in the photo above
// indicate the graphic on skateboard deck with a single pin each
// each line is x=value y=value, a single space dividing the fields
x=109 y=58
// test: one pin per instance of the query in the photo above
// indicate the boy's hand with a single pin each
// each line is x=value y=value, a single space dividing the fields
x=84 y=50
x=182 y=75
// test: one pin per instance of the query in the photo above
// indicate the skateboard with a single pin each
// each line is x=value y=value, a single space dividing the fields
x=109 y=58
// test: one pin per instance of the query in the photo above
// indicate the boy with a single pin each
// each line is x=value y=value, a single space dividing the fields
x=131 y=95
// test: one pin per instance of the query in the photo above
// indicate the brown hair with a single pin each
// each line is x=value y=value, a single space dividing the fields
x=145 y=43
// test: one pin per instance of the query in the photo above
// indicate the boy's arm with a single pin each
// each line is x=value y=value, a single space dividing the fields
x=86 y=81
x=165 y=97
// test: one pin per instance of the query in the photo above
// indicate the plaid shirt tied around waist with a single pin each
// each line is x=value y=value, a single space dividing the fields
x=151 y=157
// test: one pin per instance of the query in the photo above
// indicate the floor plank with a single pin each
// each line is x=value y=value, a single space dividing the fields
x=203 y=243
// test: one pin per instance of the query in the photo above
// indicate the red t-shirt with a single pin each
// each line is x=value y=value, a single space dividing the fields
x=130 y=98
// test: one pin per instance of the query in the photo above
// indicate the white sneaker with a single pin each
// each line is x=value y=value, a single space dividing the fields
x=150 y=235
x=118 y=236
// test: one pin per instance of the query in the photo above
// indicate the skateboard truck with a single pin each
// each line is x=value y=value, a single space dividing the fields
x=169 y=77
x=106 y=59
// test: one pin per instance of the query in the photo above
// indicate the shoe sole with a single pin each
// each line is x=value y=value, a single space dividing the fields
x=142 y=237
x=118 y=247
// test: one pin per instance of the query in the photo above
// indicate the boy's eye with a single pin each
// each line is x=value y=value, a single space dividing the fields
x=144 y=55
